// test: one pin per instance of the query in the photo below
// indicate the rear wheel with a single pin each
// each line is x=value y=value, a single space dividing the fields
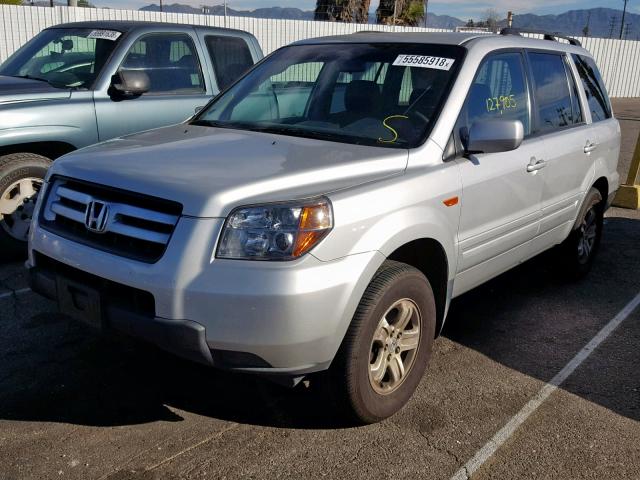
x=21 y=177
x=579 y=249
x=387 y=347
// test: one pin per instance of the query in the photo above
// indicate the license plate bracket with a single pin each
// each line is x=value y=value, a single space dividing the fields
x=80 y=302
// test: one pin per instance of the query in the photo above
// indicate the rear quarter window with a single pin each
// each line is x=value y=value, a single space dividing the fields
x=594 y=88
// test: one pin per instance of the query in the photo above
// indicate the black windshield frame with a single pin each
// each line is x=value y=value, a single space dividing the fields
x=261 y=71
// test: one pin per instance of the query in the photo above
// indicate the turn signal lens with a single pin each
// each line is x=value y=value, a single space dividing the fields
x=276 y=231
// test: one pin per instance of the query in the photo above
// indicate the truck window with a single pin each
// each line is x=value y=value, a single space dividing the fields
x=551 y=92
x=230 y=57
x=64 y=57
x=593 y=88
x=498 y=91
x=170 y=60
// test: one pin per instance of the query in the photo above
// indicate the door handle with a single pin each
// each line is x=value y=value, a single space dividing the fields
x=590 y=147
x=536 y=165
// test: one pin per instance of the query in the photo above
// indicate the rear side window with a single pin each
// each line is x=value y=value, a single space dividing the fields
x=551 y=92
x=498 y=91
x=230 y=57
x=594 y=89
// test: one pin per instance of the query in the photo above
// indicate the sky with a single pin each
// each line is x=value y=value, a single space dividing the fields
x=463 y=9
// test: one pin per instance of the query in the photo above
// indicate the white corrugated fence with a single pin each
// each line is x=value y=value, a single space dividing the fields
x=619 y=60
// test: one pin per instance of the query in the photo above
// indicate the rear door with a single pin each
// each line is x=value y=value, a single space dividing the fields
x=606 y=130
x=500 y=211
x=178 y=87
x=559 y=121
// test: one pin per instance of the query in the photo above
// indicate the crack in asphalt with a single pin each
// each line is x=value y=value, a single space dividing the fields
x=448 y=451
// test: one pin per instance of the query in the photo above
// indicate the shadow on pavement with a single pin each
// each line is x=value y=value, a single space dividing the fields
x=526 y=319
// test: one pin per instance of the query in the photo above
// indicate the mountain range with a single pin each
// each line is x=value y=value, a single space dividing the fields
x=573 y=22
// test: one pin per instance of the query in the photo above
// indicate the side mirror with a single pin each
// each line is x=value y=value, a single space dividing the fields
x=130 y=83
x=494 y=136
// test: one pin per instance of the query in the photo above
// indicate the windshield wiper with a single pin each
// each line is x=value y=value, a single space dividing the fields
x=39 y=79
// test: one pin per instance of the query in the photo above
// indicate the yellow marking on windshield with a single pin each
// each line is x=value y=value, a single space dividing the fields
x=393 y=130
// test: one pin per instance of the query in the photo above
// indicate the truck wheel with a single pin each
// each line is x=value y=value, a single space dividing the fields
x=21 y=177
x=579 y=249
x=387 y=347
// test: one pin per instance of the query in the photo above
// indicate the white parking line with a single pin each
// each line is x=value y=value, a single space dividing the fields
x=14 y=292
x=505 y=432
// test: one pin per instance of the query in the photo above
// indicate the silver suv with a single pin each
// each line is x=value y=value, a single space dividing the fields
x=321 y=213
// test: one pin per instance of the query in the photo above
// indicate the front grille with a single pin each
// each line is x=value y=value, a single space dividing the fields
x=114 y=294
x=133 y=225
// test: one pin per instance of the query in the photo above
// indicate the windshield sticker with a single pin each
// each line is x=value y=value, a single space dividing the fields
x=105 y=35
x=393 y=130
x=424 y=61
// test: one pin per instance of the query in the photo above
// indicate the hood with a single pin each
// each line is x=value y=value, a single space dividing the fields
x=13 y=89
x=212 y=170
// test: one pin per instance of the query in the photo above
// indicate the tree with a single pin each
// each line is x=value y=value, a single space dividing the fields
x=400 y=12
x=491 y=19
x=470 y=23
x=342 y=10
x=10 y=2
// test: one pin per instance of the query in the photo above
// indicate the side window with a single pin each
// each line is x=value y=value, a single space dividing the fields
x=498 y=91
x=170 y=60
x=594 y=89
x=230 y=57
x=551 y=91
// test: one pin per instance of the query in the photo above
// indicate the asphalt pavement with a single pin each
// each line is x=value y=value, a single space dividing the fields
x=76 y=406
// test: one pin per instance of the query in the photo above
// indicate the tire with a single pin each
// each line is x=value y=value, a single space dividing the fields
x=21 y=177
x=352 y=380
x=578 y=251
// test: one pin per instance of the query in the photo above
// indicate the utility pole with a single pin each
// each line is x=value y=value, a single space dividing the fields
x=509 y=19
x=624 y=14
x=426 y=3
x=627 y=30
x=161 y=5
x=585 y=30
x=612 y=26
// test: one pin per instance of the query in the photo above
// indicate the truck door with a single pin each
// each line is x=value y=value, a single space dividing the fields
x=177 y=86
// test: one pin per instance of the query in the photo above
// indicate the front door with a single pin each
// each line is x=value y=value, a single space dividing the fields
x=177 y=86
x=500 y=212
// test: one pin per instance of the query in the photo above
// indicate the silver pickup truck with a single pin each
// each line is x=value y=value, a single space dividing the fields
x=320 y=215
x=77 y=84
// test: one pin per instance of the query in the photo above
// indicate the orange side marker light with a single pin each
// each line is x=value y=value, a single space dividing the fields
x=450 y=202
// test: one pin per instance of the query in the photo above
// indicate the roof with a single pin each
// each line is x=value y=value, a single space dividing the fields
x=446 y=38
x=374 y=36
x=125 y=26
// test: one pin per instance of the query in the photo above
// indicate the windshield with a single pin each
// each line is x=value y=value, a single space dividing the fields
x=387 y=95
x=63 y=57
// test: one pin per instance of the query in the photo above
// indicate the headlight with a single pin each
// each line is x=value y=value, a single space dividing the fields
x=279 y=231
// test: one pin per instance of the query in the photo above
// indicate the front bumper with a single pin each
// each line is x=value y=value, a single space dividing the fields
x=283 y=318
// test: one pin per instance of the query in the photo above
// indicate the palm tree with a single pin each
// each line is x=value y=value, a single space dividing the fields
x=343 y=10
x=400 y=12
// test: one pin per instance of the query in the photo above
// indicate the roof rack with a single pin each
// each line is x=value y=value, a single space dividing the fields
x=546 y=35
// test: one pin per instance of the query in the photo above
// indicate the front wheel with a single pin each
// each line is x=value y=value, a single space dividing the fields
x=21 y=177
x=387 y=347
